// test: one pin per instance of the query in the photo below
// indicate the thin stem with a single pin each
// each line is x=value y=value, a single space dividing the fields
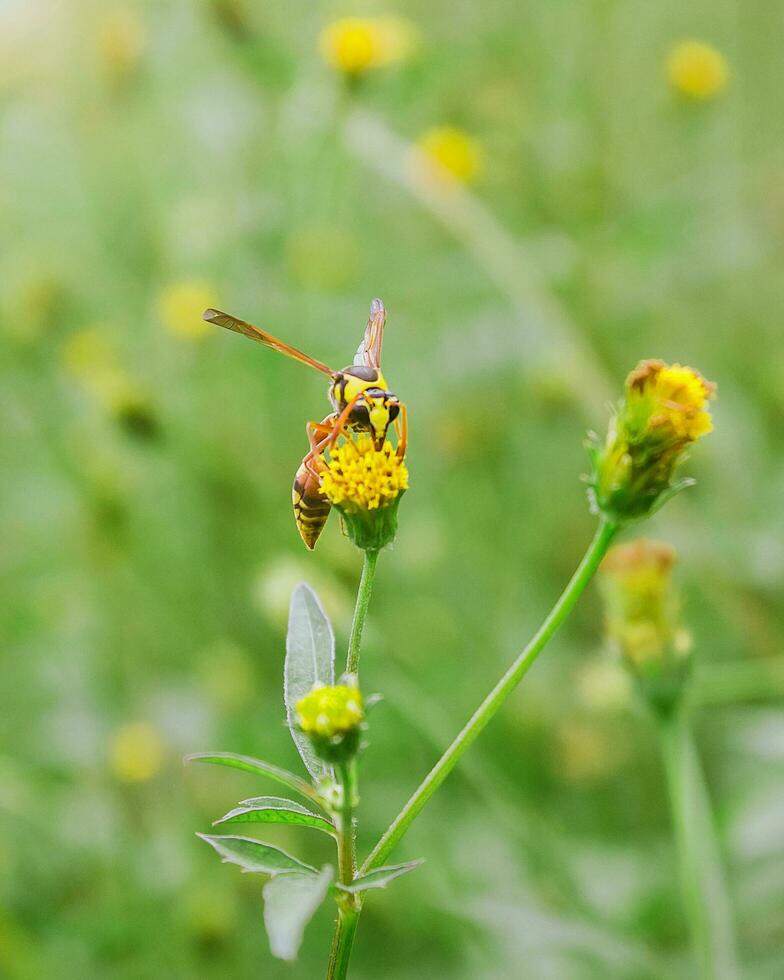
x=360 y=611
x=487 y=709
x=342 y=943
x=702 y=877
x=349 y=905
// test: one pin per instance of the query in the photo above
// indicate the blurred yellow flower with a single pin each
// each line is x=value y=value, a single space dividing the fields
x=121 y=41
x=181 y=304
x=136 y=752
x=697 y=70
x=355 y=45
x=453 y=151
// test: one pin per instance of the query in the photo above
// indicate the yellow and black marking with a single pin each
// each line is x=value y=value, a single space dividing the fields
x=311 y=508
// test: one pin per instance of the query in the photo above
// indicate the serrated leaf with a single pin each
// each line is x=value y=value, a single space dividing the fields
x=290 y=901
x=310 y=662
x=255 y=856
x=379 y=877
x=273 y=809
x=248 y=764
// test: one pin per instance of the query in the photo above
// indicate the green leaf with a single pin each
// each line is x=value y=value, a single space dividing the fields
x=289 y=903
x=310 y=662
x=379 y=877
x=249 y=764
x=255 y=856
x=273 y=809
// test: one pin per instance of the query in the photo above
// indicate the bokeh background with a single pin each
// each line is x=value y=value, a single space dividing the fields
x=593 y=210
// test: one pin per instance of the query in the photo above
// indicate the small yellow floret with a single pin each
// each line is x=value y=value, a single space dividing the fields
x=136 y=752
x=697 y=69
x=453 y=151
x=679 y=394
x=181 y=305
x=355 y=45
x=330 y=711
x=358 y=474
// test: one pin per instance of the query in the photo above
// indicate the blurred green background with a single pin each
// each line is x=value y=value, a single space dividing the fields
x=156 y=158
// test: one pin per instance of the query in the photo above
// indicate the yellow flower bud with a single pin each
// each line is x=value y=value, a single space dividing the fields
x=641 y=617
x=136 y=752
x=356 y=45
x=332 y=716
x=453 y=152
x=664 y=410
x=697 y=70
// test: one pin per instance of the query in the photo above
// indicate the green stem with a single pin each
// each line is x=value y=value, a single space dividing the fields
x=487 y=709
x=348 y=905
x=360 y=611
x=342 y=943
x=704 y=887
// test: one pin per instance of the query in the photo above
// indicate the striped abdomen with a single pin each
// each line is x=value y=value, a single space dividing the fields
x=311 y=507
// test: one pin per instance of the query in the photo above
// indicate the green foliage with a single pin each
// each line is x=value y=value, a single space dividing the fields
x=289 y=903
x=379 y=877
x=272 y=809
x=256 y=766
x=253 y=855
x=310 y=662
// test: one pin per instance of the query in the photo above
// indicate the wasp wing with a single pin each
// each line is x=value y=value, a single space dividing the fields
x=256 y=333
x=369 y=351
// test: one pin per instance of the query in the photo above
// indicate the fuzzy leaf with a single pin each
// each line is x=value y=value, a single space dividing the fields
x=249 y=764
x=379 y=877
x=273 y=809
x=310 y=662
x=254 y=855
x=290 y=901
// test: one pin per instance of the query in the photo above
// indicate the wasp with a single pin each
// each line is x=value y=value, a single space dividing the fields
x=361 y=401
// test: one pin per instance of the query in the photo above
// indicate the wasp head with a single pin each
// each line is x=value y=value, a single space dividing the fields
x=375 y=411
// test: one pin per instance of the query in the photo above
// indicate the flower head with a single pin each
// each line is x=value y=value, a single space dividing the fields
x=366 y=485
x=357 y=45
x=641 y=617
x=453 y=152
x=180 y=306
x=697 y=70
x=664 y=410
x=332 y=716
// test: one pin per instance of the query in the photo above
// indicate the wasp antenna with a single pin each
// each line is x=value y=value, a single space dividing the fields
x=211 y=314
x=376 y=306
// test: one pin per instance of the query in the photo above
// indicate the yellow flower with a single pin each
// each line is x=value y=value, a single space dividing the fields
x=330 y=711
x=356 y=45
x=697 y=70
x=453 y=151
x=664 y=411
x=181 y=304
x=136 y=752
x=360 y=475
x=366 y=484
x=679 y=396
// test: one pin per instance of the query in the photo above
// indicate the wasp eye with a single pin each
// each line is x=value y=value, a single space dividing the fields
x=394 y=411
x=359 y=413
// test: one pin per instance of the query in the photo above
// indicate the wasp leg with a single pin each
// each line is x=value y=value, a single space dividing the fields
x=316 y=431
x=401 y=428
x=331 y=435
